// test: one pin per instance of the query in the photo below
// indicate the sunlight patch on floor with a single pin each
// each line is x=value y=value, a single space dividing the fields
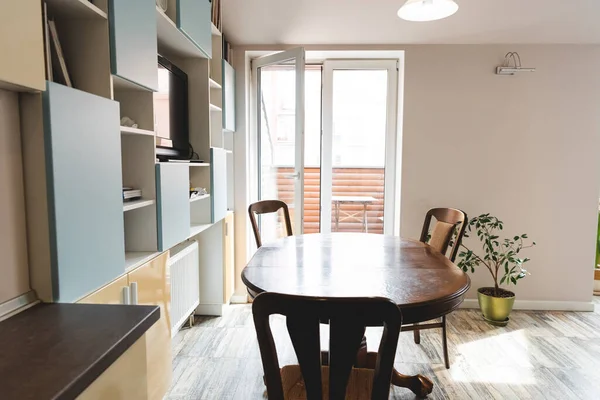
x=502 y=358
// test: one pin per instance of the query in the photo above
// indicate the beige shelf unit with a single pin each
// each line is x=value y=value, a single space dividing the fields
x=83 y=33
x=22 y=46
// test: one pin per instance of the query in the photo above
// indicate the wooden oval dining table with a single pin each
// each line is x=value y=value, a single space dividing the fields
x=420 y=280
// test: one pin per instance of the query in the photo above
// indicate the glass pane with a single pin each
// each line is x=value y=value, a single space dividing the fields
x=277 y=145
x=312 y=149
x=277 y=91
x=359 y=132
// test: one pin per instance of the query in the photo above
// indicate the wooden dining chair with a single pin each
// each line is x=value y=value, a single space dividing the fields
x=348 y=318
x=267 y=207
x=448 y=221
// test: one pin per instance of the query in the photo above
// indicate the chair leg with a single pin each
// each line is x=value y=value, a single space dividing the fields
x=417 y=335
x=445 y=343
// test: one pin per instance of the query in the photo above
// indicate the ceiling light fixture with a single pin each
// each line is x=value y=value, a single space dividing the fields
x=427 y=10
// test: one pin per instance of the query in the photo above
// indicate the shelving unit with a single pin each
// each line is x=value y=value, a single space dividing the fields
x=172 y=41
x=196 y=229
x=119 y=83
x=135 y=204
x=110 y=54
x=213 y=84
x=126 y=130
x=202 y=197
x=82 y=241
x=81 y=9
x=134 y=259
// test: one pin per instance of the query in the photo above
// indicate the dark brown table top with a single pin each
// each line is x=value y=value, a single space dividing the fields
x=54 y=351
x=422 y=281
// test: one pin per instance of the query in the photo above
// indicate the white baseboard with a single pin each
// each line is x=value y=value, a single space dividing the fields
x=239 y=299
x=537 y=305
x=210 y=309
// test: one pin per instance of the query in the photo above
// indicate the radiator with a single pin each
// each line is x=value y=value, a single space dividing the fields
x=185 y=291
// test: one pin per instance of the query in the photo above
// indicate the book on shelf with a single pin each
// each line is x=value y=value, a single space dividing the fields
x=130 y=194
x=227 y=51
x=47 y=53
x=58 y=59
x=216 y=13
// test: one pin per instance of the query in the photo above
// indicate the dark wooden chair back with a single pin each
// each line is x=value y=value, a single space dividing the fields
x=447 y=221
x=267 y=207
x=348 y=318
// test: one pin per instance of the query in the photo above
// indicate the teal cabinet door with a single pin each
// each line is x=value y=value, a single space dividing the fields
x=228 y=97
x=173 y=204
x=218 y=183
x=194 y=20
x=85 y=205
x=133 y=48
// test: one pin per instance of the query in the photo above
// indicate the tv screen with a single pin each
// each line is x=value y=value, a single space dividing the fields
x=171 y=112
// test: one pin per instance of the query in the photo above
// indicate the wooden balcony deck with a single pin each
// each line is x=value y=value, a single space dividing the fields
x=346 y=182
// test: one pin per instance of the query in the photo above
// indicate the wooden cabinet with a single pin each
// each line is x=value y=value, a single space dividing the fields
x=228 y=258
x=173 y=204
x=149 y=284
x=21 y=46
x=126 y=378
x=72 y=172
x=228 y=97
x=116 y=292
x=133 y=41
x=194 y=20
x=154 y=288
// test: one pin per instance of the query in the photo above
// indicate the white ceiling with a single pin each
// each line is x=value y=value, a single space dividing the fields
x=375 y=22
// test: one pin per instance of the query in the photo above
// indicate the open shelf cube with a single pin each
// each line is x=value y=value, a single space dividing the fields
x=127 y=130
x=83 y=33
x=198 y=198
x=77 y=9
x=172 y=41
x=134 y=259
x=135 y=204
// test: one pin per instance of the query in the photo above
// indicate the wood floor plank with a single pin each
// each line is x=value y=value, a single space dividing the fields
x=539 y=355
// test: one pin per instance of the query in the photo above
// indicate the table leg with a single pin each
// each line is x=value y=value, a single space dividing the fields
x=420 y=385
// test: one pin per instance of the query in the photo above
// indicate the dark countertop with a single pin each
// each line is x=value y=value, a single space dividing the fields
x=55 y=351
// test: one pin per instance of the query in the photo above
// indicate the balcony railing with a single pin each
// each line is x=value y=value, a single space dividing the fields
x=346 y=182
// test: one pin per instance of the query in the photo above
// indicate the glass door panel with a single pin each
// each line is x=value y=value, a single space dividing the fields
x=359 y=130
x=280 y=115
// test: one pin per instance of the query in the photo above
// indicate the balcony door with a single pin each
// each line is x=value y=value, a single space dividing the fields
x=358 y=153
x=279 y=82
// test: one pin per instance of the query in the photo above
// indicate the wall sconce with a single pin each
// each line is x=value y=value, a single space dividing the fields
x=514 y=59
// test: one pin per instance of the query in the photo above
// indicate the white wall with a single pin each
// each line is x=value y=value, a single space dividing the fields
x=524 y=148
x=14 y=272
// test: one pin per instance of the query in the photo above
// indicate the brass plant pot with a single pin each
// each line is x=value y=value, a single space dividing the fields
x=495 y=309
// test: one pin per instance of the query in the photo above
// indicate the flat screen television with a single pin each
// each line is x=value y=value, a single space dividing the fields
x=171 y=112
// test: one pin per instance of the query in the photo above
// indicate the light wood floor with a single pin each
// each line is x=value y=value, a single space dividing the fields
x=539 y=355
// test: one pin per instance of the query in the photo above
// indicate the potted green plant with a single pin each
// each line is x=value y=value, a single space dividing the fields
x=502 y=259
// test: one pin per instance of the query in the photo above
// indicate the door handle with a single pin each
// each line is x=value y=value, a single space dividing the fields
x=292 y=176
x=134 y=293
x=126 y=295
